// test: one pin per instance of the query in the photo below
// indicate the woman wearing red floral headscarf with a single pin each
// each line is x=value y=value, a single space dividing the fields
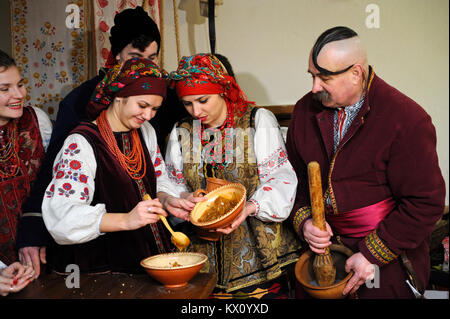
x=93 y=206
x=228 y=137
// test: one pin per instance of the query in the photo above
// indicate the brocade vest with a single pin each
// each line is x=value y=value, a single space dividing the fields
x=256 y=251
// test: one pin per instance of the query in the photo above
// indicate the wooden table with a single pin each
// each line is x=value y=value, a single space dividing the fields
x=115 y=286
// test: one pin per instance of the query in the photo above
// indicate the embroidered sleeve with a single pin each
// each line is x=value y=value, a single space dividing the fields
x=45 y=126
x=66 y=208
x=174 y=162
x=275 y=195
x=376 y=250
x=164 y=182
x=299 y=218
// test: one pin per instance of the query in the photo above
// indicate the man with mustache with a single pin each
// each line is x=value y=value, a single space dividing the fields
x=382 y=185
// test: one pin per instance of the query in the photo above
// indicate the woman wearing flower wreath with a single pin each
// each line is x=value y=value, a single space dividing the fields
x=24 y=135
x=93 y=207
x=251 y=255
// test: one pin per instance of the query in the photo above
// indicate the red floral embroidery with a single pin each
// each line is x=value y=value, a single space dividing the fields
x=267 y=188
x=50 y=192
x=175 y=175
x=59 y=174
x=275 y=160
x=75 y=164
x=66 y=190
x=83 y=178
x=85 y=194
x=72 y=149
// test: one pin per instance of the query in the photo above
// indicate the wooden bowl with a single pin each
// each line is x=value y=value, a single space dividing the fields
x=305 y=274
x=226 y=219
x=174 y=269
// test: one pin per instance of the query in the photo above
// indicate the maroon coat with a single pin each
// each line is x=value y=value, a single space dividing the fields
x=388 y=151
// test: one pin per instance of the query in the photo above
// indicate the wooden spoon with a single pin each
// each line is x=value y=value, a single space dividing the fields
x=180 y=240
x=323 y=265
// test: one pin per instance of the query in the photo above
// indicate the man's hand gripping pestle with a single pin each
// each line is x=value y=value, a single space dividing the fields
x=323 y=265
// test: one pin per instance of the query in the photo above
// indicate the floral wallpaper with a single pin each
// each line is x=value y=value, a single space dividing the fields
x=51 y=50
x=51 y=55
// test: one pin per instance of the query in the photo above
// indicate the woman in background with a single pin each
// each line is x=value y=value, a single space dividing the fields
x=24 y=135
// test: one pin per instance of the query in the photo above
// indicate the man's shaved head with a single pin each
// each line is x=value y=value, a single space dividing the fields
x=337 y=50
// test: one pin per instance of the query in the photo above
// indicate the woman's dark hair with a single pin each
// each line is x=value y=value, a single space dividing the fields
x=226 y=63
x=5 y=60
x=331 y=35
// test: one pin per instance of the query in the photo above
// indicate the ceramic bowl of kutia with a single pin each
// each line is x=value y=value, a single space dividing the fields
x=220 y=209
x=174 y=270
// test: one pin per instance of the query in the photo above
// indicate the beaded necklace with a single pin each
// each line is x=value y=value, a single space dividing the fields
x=134 y=162
x=9 y=154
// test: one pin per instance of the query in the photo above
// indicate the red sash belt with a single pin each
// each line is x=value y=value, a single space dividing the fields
x=361 y=221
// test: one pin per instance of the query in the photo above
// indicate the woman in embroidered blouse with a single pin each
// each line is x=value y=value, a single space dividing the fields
x=93 y=207
x=24 y=136
x=255 y=248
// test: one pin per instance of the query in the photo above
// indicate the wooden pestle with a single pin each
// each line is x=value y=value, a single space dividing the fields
x=323 y=265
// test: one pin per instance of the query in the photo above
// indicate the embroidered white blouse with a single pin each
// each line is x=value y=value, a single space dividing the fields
x=274 y=197
x=67 y=211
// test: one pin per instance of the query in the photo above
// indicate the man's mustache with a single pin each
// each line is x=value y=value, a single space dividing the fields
x=322 y=96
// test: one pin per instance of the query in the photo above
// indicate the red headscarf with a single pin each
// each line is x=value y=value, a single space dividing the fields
x=137 y=76
x=205 y=74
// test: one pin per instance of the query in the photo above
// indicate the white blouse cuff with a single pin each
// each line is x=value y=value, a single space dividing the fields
x=256 y=212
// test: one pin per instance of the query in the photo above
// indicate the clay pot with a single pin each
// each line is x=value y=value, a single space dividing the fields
x=224 y=220
x=174 y=269
x=305 y=274
x=211 y=184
